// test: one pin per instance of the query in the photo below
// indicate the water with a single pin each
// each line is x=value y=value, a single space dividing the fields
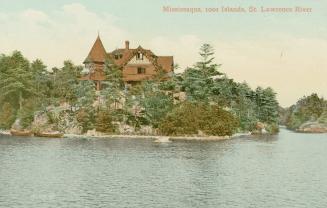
x=288 y=170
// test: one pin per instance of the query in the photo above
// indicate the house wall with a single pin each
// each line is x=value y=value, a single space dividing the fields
x=130 y=71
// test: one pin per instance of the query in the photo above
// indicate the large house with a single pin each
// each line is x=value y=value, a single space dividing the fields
x=136 y=64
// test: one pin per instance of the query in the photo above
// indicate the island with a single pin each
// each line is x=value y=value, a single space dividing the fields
x=131 y=91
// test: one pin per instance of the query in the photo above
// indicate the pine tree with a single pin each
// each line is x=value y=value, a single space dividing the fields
x=113 y=85
x=197 y=81
x=16 y=83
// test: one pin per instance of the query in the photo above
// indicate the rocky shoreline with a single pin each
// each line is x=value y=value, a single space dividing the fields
x=159 y=138
x=156 y=138
x=312 y=127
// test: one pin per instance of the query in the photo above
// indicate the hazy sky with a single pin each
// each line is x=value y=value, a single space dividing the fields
x=287 y=51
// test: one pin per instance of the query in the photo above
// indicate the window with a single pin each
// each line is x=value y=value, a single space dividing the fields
x=141 y=70
x=118 y=56
x=139 y=56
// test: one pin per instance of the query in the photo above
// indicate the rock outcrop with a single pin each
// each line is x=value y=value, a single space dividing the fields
x=260 y=128
x=313 y=127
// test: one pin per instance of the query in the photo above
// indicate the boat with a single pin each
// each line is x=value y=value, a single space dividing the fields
x=49 y=134
x=15 y=132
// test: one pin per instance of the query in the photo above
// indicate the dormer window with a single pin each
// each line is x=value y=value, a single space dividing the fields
x=118 y=56
x=141 y=70
x=139 y=56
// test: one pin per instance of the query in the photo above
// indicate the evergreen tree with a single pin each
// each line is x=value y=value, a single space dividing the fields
x=85 y=92
x=155 y=103
x=16 y=83
x=266 y=105
x=64 y=81
x=113 y=86
x=197 y=81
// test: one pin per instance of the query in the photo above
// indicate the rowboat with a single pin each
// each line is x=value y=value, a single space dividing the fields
x=49 y=134
x=14 y=132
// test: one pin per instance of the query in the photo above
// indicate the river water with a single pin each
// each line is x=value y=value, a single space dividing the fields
x=287 y=170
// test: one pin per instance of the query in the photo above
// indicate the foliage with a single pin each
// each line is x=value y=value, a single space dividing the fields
x=64 y=81
x=309 y=108
x=104 y=122
x=272 y=128
x=26 y=113
x=323 y=117
x=7 y=116
x=85 y=93
x=197 y=81
x=266 y=105
x=52 y=117
x=86 y=119
x=16 y=83
x=40 y=76
x=26 y=87
x=113 y=86
x=155 y=103
x=204 y=83
x=190 y=118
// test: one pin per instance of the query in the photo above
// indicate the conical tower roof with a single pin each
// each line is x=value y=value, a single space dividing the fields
x=97 y=52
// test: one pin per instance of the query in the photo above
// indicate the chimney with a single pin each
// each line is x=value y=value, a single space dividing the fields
x=127 y=44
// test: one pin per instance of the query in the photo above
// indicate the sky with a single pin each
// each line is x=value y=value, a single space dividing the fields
x=286 y=51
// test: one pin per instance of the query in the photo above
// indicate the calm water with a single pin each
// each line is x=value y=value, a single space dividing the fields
x=288 y=170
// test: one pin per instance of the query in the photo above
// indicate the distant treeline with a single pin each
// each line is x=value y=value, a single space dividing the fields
x=310 y=108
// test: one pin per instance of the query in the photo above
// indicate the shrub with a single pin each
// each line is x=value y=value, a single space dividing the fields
x=104 y=122
x=189 y=118
x=323 y=117
x=272 y=128
x=85 y=118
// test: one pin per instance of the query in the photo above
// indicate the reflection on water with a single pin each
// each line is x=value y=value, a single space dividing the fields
x=288 y=170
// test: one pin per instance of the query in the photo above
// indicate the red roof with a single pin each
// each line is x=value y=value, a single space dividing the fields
x=97 y=52
x=166 y=62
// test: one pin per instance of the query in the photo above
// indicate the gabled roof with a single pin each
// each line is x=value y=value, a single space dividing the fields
x=97 y=52
x=166 y=62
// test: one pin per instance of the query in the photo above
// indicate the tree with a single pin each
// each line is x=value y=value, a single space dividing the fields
x=64 y=81
x=85 y=93
x=206 y=65
x=266 y=105
x=113 y=86
x=16 y=83
x=156 y=103
x=224 y=91
x=7 y=116
x=197 y=81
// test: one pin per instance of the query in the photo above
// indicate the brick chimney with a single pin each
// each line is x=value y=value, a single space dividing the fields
x=127 y=44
